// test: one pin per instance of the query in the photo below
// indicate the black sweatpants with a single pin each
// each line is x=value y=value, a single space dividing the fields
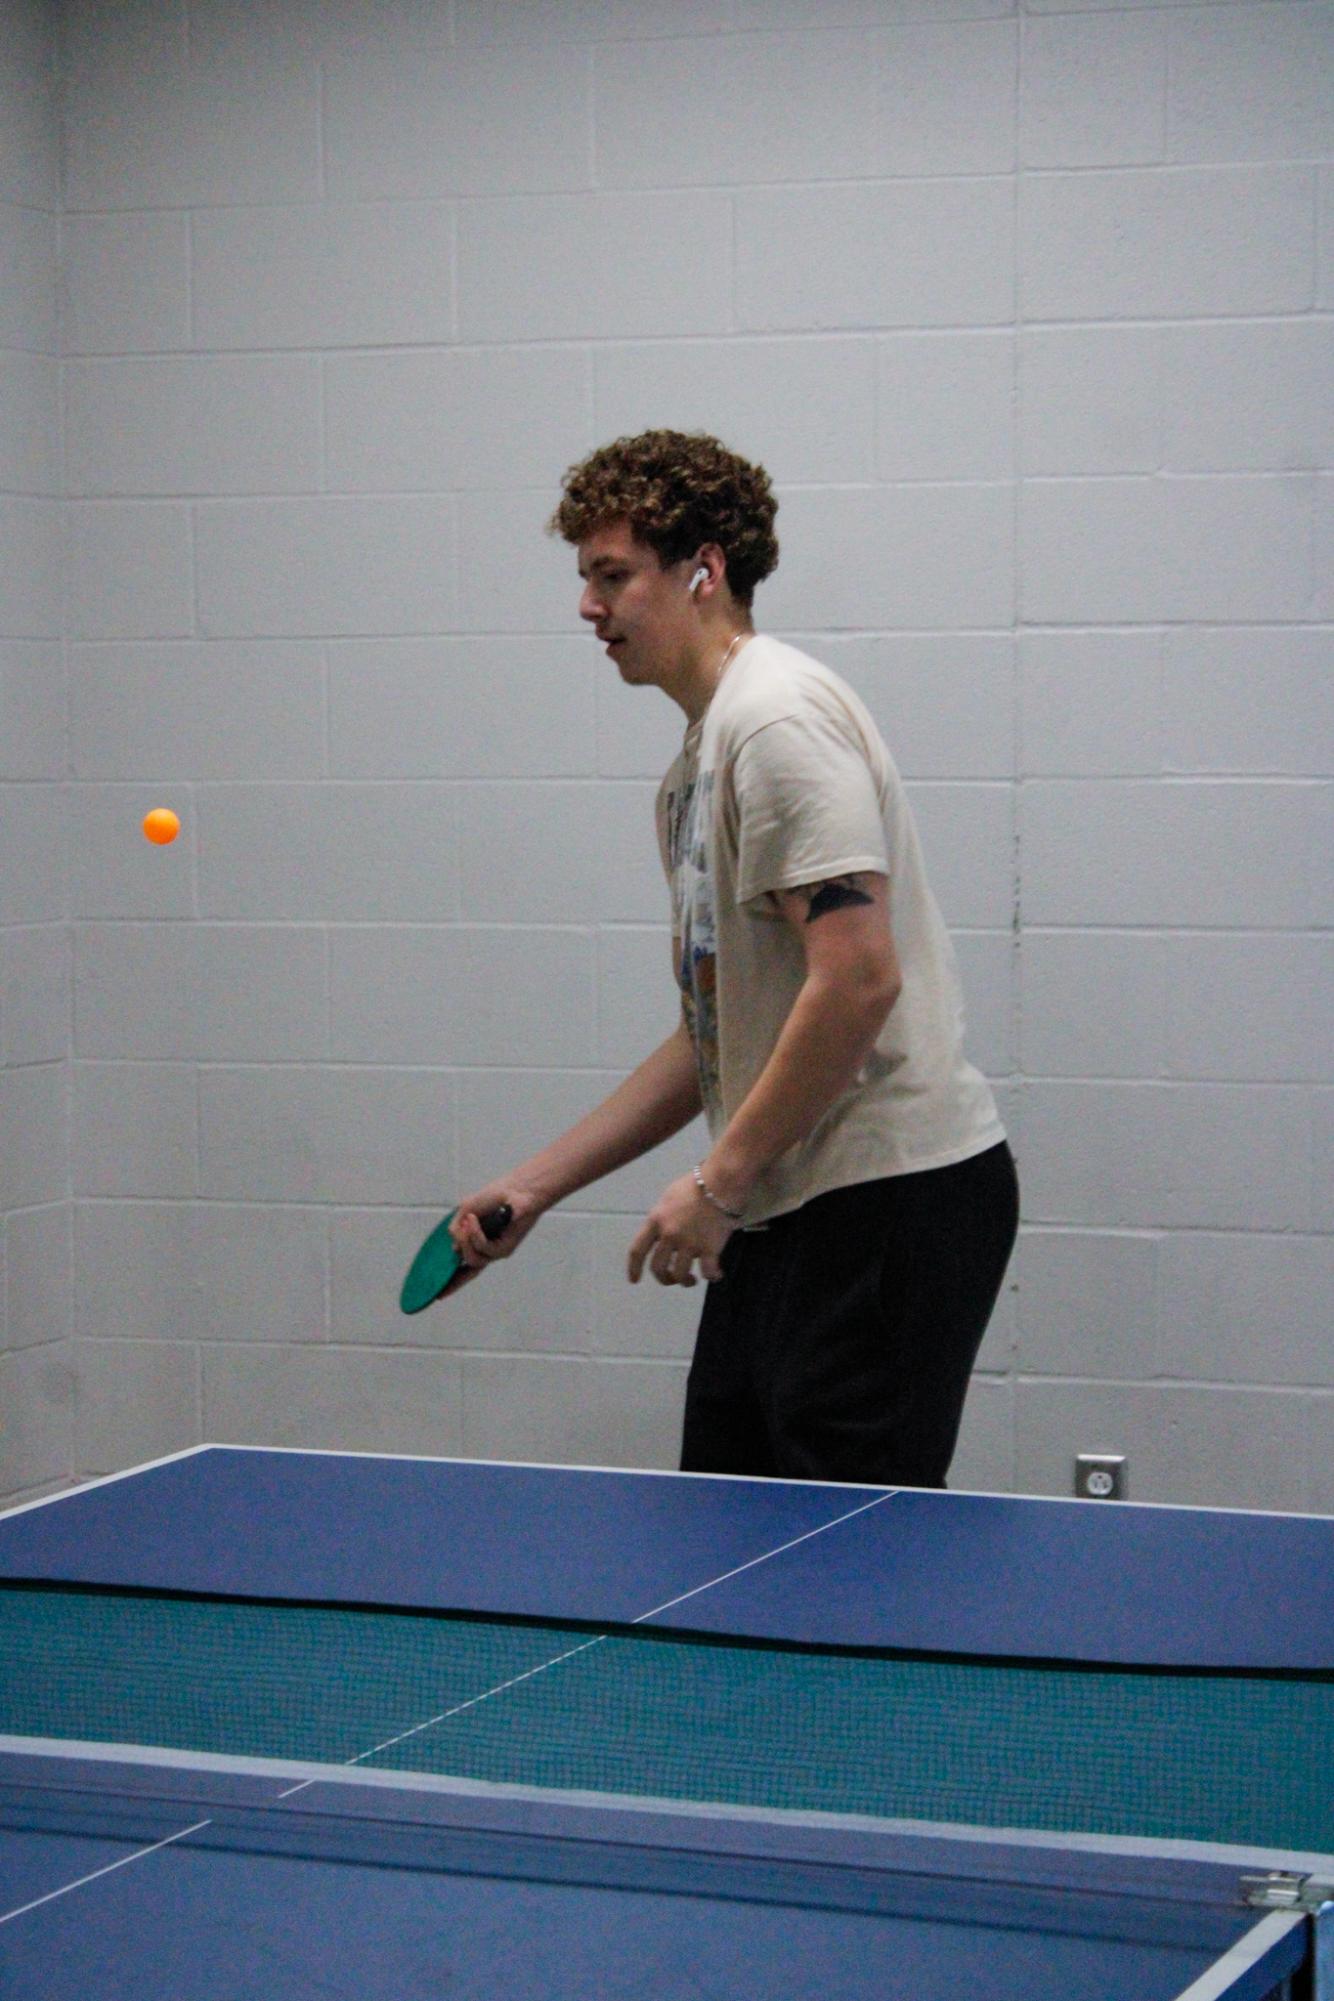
x=839 y=1343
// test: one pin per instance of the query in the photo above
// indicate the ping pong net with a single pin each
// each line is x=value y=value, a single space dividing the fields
x=1170 y=1754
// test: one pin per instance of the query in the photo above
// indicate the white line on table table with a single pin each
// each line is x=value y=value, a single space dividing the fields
x=598 y=1639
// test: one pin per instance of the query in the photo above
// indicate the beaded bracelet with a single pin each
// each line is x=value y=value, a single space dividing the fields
x=732 y=1215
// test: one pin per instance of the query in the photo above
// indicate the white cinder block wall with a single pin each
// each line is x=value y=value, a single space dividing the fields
x=1028 y=310
x=37 y=1380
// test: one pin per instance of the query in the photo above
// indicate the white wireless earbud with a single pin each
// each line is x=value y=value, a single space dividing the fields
x=701 y=576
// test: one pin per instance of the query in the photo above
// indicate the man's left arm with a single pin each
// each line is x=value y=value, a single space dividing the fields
x=852 y=980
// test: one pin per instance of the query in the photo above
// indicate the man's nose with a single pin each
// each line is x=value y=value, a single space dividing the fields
x=591 y=606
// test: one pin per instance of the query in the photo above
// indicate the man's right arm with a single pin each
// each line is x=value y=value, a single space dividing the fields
x=652 y=1104
x=655 y=1101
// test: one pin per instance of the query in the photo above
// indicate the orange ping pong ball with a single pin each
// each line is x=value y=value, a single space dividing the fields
x=161 y=826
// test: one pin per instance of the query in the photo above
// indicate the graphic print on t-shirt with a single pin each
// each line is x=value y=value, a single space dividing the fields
x=695 y=928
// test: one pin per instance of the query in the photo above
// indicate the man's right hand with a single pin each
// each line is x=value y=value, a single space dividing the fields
x=476 y=1249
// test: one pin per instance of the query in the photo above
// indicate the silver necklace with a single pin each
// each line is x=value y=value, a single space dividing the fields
x=694 y=728
x=737 y=638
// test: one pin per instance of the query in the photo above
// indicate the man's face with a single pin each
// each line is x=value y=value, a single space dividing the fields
x=639 y=610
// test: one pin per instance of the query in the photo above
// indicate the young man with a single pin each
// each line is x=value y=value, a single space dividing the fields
x=857 y=1206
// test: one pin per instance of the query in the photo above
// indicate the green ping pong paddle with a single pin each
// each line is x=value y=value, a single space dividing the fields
x=436 y=1264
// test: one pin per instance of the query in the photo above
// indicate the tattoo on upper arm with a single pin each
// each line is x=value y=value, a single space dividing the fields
x=838 y=893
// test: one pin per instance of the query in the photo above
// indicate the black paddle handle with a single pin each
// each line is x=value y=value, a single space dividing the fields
x=496 y=1221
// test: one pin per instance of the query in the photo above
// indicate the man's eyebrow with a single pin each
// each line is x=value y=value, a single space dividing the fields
x=600 y=563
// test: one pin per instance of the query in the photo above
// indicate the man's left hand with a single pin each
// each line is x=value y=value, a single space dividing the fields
x=681 y=1230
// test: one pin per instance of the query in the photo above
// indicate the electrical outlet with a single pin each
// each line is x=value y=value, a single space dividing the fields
x=1100 y=1476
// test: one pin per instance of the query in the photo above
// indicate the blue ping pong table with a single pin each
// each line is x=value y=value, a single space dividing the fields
x=309 y=1724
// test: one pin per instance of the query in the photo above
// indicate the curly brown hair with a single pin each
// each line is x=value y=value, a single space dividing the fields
x=677 y=490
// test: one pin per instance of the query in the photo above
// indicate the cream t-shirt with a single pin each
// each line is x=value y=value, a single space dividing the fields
x=785 y=780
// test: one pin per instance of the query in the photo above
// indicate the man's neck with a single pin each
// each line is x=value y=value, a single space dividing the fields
x=699 y=681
